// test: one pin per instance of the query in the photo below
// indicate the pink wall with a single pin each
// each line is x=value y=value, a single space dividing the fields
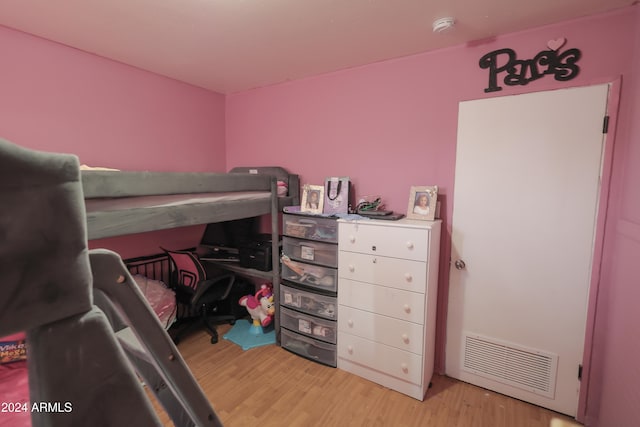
x=55 y=98
x=393 y=124
x=615 y=386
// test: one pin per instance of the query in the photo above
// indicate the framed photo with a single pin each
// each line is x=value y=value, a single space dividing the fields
x=422 y=203
x=312 y=199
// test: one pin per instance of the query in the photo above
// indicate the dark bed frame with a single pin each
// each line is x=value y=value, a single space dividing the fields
x=155 y=267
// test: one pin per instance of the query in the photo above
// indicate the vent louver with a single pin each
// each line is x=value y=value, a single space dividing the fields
x=521 y=367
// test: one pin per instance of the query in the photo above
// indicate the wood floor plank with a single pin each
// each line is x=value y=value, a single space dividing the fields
x=269 y=386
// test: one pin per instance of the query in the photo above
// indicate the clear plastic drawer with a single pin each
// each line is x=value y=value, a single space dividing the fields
x=315 y=252
x=311 y=326
x=312 y=276
x=315 y=350
x=309 y=302
x=310 y=227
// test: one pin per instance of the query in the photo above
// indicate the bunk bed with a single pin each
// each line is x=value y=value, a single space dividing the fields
x=87 y=322
x=123 y=202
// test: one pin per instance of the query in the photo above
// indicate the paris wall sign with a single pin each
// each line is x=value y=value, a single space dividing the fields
x=519 y=72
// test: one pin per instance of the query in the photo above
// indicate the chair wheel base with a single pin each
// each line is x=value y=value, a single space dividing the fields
x=214 y=340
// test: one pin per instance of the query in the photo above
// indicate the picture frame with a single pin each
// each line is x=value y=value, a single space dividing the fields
x=312 y=199
x=422 y=202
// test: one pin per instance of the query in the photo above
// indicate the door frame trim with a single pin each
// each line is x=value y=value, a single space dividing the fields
x=613 y=106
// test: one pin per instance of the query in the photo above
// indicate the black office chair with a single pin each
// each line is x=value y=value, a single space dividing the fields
x=199 y=294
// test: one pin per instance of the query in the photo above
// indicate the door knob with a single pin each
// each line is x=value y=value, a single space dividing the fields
x=460 y=265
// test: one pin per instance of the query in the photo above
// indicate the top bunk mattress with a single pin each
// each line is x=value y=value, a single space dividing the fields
x=107 y=217
x=121 y=203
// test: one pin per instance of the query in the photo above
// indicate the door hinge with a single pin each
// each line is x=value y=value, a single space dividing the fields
x=580 y=372
x=605 y=125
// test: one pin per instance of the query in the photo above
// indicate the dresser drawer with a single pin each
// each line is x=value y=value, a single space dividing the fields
x=389 y=360
x=313 y=276
x=396 y=333
x=316 y=252
x=314 y=327
x=309 y=302
x=318 y=351
x=393 y=241
x=398 y=273
x=310 y=227
x=396 y=303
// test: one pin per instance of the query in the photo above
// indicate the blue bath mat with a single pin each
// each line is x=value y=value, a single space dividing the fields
x=248 y=336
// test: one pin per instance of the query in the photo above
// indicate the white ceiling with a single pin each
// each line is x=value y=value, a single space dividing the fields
x=233 y=45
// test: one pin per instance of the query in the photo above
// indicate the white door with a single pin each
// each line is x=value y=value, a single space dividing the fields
x=526 y=191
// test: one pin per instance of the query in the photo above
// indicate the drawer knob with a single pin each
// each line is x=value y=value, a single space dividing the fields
x=405 y=338
x=407 y=308
x=350 y=323
x=352 y=268
x=409 y=245
x=350 y=349
x=352 y=239
x=408 y=277
x=404 y=367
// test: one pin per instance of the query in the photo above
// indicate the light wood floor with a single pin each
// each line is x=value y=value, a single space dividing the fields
x=269 y=386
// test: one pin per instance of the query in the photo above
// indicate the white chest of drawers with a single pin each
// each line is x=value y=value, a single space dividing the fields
x=387 y=292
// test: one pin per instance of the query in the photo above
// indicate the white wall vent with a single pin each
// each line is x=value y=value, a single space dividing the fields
x=527 y=369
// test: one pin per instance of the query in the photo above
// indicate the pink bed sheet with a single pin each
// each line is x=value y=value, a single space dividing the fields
x=161 y=299
x=14 y=393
